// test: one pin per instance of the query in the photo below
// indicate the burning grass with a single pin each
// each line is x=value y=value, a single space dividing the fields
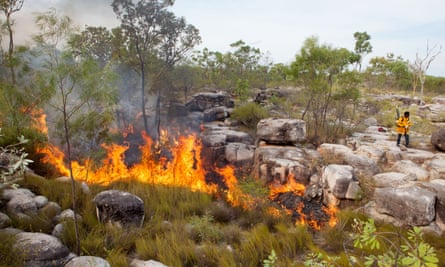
x=177 y=162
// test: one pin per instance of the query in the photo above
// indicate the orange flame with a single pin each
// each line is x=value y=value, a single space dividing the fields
x=38 y=119
x=331 y=211
x=234 y=194
x=55 y=157
x=290 y=186
x=304 y=218
x=182 y=168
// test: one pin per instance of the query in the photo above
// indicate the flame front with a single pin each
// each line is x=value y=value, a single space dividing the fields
x=290 y=186
x=181 y=167
x=184 y=169
x=234 y=194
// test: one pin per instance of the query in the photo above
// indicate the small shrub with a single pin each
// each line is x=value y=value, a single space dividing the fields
x=203 y=229
x=249 y=114
x=221 y=212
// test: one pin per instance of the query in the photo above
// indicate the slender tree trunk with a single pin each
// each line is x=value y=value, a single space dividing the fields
x=11 y=48
x=158 y=114
x=73 y=184
x=144 y=112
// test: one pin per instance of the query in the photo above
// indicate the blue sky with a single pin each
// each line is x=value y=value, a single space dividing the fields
x=279 y=28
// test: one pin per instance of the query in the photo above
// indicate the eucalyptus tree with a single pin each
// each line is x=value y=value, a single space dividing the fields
x=81 y=92
x=20 y=99
x=154 y=40
x=390 y=72
x=93 y=42
x=9 y=7
x=317 y=69
x=235 y=70
x=362 y=46
x=177 y=39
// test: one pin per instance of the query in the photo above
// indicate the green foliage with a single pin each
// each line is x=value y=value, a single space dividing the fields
x=202 y=228
x=410 y=251
x=241 y=90
x=254 y=187
x=271 y=259
x=435 y=85
x=249 y=114
x=389 y=72
x=16 y=160
x=318 y=68
x=320 y=260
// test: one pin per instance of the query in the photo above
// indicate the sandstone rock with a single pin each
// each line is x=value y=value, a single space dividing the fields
x=438 y=187
x=5 y=221
x=149 y=263
x=370 y=121
x=417 y=155
x=371 y=152
x=67 y=215
x=203 y=101
x=22 y=203
x=119 y=207
x=281 y=131
x=338 y=181
x=278 y=163
x=87 y=261
x=37 y=249
x=216 y=114
x=40 y=201
x=341 y=154
x=412 y=205
x=392 y=179
x=362 y=165
x=409 y=167
x=239 y=154
x=436 y=167
x=438 y=139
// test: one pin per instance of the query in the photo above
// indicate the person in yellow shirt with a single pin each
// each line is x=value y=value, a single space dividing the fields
x=403 y=125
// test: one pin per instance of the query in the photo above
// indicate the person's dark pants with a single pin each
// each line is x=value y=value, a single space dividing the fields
x=406 y=139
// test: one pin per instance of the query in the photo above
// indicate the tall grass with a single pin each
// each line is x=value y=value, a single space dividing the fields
x=185 y=228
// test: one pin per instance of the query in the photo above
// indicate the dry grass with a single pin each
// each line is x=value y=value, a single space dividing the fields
x=184 y=228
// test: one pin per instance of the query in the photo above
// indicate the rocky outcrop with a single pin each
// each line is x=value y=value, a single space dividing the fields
x=119 y=207
x=37 y=249
x=411 y=205
x=281 y=131
x=339 y=183
x=438 y=139
x=278 y=163
x=203 y=101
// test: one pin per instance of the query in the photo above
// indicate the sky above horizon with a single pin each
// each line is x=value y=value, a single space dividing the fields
x=279 y=28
